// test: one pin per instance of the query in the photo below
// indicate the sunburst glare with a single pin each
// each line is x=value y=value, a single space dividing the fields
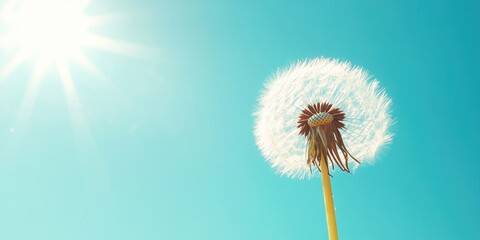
x=50 y=30
x=55 y=33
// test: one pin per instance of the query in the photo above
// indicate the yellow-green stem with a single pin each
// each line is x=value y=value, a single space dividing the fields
x=328 y=198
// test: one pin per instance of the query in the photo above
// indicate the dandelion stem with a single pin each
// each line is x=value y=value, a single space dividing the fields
x=328 y=198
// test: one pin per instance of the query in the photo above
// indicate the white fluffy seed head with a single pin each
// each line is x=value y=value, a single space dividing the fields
x=366 y=108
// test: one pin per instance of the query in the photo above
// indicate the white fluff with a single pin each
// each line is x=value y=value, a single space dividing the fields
x=347 y=87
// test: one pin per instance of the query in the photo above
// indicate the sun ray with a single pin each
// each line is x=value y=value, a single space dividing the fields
x=87 y=65
x=73 y=101
x=105 y=19
x=7 y=40
x=82 y=4
x=94 y=166
x=30 y=96
x=115 y=46
x=101 y=78
x=80 y=127
x=16 y=61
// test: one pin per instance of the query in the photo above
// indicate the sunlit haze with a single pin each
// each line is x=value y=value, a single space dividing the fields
x=50 y=32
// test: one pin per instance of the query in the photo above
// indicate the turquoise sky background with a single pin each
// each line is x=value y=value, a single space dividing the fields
x=164 y=149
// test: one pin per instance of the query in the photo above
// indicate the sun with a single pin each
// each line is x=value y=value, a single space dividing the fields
x=50 y=30
x=54 y=34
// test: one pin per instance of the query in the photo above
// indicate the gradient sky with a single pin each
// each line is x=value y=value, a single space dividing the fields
x=162 y=146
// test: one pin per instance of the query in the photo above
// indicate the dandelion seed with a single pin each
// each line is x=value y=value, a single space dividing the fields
x=319 y=114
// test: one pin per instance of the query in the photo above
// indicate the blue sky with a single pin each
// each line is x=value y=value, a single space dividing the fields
x=162 y=146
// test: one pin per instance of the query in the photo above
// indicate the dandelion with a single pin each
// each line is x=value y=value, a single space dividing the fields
x=320 y=114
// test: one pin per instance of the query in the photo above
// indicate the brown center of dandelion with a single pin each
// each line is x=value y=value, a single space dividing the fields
x=319 y=119
x=321 y=123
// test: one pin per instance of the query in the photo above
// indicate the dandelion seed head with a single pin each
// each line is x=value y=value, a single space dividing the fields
x=364 y=127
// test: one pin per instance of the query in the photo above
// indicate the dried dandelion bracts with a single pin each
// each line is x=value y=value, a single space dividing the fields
x=320 y=114
x=321 y=124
